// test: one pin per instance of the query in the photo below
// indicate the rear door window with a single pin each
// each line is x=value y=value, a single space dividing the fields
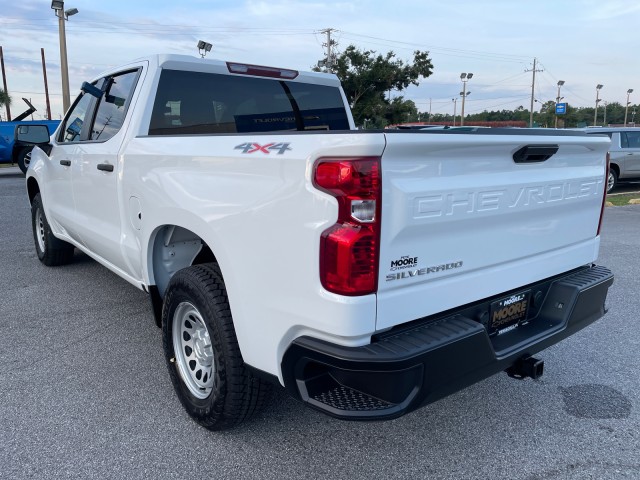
x=195 y=102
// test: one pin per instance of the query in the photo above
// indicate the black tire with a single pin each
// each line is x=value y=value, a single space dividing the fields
x=612 y=180
x=196 y=297
x=24 y=158
x=51 y=250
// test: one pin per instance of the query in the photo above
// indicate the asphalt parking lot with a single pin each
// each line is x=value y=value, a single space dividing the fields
x=84 y=391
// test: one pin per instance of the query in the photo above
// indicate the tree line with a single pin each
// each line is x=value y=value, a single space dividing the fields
x=612 y=114
x=368 y=78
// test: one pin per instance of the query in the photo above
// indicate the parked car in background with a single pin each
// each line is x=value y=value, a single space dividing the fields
x=20 y=153
x=624 y=151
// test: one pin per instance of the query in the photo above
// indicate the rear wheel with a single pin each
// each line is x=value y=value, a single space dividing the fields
x=24 y=159
x=612 y=180
x=205 y=365
x=51 y=250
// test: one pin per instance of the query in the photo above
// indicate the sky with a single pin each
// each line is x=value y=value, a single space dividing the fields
x=583 y=42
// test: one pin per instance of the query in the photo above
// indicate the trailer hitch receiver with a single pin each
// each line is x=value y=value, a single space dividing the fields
x=530 y=367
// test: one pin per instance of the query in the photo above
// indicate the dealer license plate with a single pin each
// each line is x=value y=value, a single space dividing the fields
x=508 y=312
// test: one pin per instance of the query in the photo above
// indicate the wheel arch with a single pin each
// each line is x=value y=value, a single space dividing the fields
x=172 y=248
x=33 y=188
x=616 y=168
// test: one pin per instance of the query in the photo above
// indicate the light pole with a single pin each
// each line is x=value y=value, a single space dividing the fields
x=464 y=77
x=595 y=114
x=63 y=15
x=455 y=104
x=463 y=94
x=558 y=98
x=626 y=108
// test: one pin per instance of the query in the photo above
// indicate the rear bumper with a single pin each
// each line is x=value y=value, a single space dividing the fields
x=423 y=361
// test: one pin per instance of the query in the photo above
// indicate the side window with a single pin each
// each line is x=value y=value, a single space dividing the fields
x=624 y=143
x=633 y=140
x=113 y=105
x=74 y=122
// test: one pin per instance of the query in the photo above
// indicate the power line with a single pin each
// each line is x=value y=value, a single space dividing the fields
x=503 y=56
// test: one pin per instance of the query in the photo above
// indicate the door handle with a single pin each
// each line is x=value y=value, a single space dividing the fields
x=66 y=163
x=105 y=167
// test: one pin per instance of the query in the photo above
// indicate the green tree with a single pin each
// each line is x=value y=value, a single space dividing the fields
x=5 y=99
x=368 y=78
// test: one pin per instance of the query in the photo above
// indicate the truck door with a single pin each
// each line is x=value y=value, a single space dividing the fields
x=95 y=172
x=68 y=145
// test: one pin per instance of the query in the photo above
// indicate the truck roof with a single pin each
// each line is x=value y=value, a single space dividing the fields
x=197 y=64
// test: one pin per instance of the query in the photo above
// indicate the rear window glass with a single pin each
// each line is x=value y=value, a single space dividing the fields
x=195 y=102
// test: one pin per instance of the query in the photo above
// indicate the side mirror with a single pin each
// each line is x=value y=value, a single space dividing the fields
x=92 y=90
x=32 y=134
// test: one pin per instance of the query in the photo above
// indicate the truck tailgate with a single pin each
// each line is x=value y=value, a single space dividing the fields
x=462 y=221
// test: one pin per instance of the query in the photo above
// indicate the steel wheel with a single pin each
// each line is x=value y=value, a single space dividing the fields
x=193 y=350
x=201 y=348
x=39 y=227
x=612 y=179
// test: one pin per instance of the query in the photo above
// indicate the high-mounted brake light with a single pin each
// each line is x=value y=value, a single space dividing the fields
x=349 y=249
x=261 y=71
x=604 y=195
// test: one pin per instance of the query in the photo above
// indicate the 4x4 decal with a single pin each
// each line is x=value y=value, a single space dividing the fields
x=256 y=147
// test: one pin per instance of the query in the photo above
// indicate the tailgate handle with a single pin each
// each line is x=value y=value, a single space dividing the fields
x=535 y=153
x=105 y=167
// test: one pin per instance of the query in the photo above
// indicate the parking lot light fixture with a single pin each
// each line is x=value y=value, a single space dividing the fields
x=464 y=77
x=455 y=104
x=204 y=47
x=63 y=15
x=595 y=114
x=626 y=108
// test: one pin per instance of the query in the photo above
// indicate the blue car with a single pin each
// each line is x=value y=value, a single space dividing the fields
x=17 y=153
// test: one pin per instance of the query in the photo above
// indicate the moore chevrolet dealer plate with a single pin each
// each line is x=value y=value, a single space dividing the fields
x=508 y=312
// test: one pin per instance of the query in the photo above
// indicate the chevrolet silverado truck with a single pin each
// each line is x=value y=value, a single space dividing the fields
x=367 y=272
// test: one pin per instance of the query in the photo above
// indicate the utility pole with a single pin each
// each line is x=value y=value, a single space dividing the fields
x=46 y=85
x=533 y=88
x=4 y=82
x=330 y=43
x=558 y=98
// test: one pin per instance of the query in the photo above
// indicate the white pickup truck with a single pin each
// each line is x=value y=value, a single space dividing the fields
x=367 y=272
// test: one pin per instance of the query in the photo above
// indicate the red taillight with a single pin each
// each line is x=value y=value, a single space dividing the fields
x=349 y=249
x=604 y=196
